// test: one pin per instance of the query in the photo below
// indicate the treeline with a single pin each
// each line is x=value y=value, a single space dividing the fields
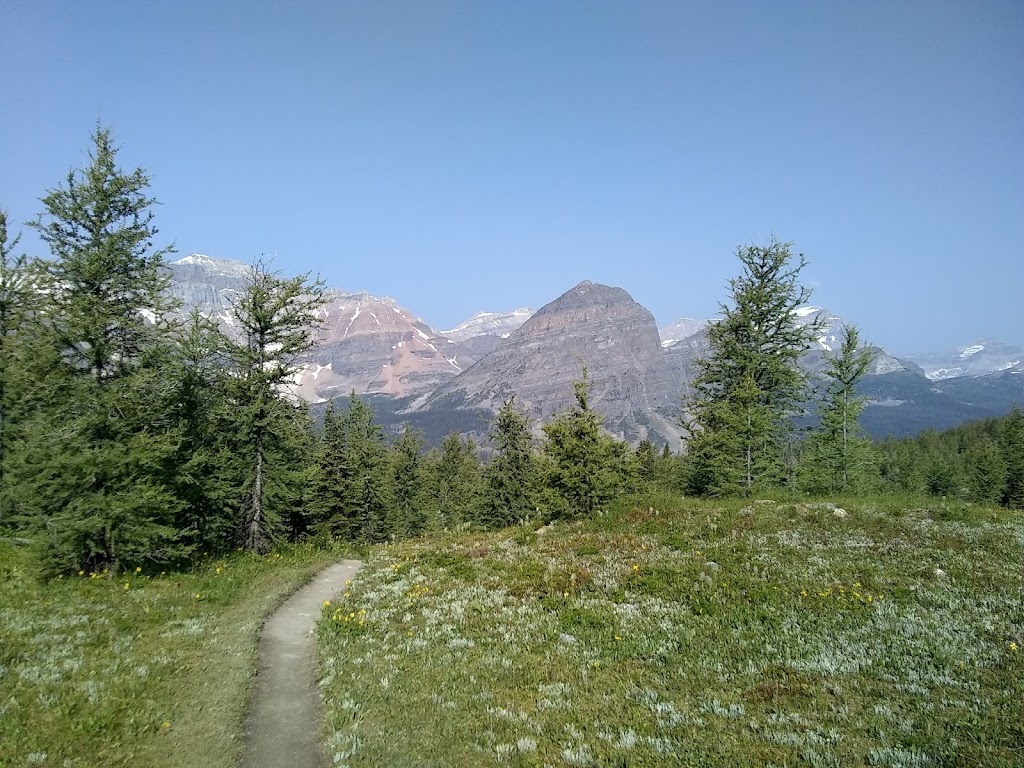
x=128 y=436
x=982 y=461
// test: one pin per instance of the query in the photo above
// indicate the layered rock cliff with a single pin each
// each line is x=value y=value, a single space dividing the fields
x=593 y=324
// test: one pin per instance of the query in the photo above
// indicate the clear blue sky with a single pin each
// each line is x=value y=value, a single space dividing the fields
x=465 y=156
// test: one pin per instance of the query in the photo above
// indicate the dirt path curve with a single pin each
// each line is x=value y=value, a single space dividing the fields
x=283 y=729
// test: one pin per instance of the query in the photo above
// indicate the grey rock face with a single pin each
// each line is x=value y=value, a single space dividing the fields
x=601 y=326
x=366 y=343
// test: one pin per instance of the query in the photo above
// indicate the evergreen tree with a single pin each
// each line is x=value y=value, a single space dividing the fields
x=368 y=499
x=837 y=457
x=584 y=468
x=109 y=286
x=510 y=477
x=1012 y=443
x=329 y=507
x=207 y=471
x=96 y=465
x=20 y=291
x=408 y=483
x=748 y=388
x=277 y=321
x=646 y=460
x=455 y=482
x=985 y=471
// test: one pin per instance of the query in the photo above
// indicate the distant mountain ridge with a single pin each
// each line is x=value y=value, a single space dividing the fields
x=440 y=380
x=983 y=357
x=500 y=324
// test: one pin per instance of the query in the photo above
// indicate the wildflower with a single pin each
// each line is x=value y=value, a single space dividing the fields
x=219 y=569
x=126 y=585
x=597 y=664
x=138 y=569
x=81 y=573
x=636 y=567
x=327 y=603
x=617 y=637
x=165 y=724
x=803 y=593
x=198 y=596
x=1013 y=646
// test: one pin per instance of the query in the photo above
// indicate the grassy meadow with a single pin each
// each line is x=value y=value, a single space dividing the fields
x=146 y=669
x=680 y=632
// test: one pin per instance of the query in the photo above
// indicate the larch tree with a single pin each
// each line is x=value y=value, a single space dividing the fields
x=276 y=321
x=837 y=456
x=98 y=461
x=19 y=300
x=749 y=386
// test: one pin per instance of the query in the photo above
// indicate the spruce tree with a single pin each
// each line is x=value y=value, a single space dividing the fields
x=327 y=499
x=985 y=471
x=456 y=481
x=749 y=386
x=837 y=456
x=510 y=477
x=583 y=468
x=276 y=319
x=408 y=484
x=646 y=460
x=1012 y=444
x=368 y=511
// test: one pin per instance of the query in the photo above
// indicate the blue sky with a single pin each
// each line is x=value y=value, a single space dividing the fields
x=466 y=156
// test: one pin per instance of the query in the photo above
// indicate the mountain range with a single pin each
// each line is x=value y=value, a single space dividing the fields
x=441 y=381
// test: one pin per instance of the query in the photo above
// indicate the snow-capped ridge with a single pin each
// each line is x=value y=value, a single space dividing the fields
x=500 y=324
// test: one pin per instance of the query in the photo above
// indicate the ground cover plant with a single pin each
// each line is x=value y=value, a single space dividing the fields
x=876 y=632
x=149 y=668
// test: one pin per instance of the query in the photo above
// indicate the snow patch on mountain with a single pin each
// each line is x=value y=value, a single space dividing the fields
x=489 y=324
x=681 y=329
x=971 y=350
x=806 y=311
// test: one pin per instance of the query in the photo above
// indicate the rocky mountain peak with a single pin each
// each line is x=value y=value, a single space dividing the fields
x=602 y=326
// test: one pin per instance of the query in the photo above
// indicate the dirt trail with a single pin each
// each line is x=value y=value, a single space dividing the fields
x=283 y=727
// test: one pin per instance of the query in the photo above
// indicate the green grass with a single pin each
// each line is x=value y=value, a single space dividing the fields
x=150 y=669
x=689 y=633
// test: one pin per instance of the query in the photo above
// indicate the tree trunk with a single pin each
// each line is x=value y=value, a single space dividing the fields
x=255 y=538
